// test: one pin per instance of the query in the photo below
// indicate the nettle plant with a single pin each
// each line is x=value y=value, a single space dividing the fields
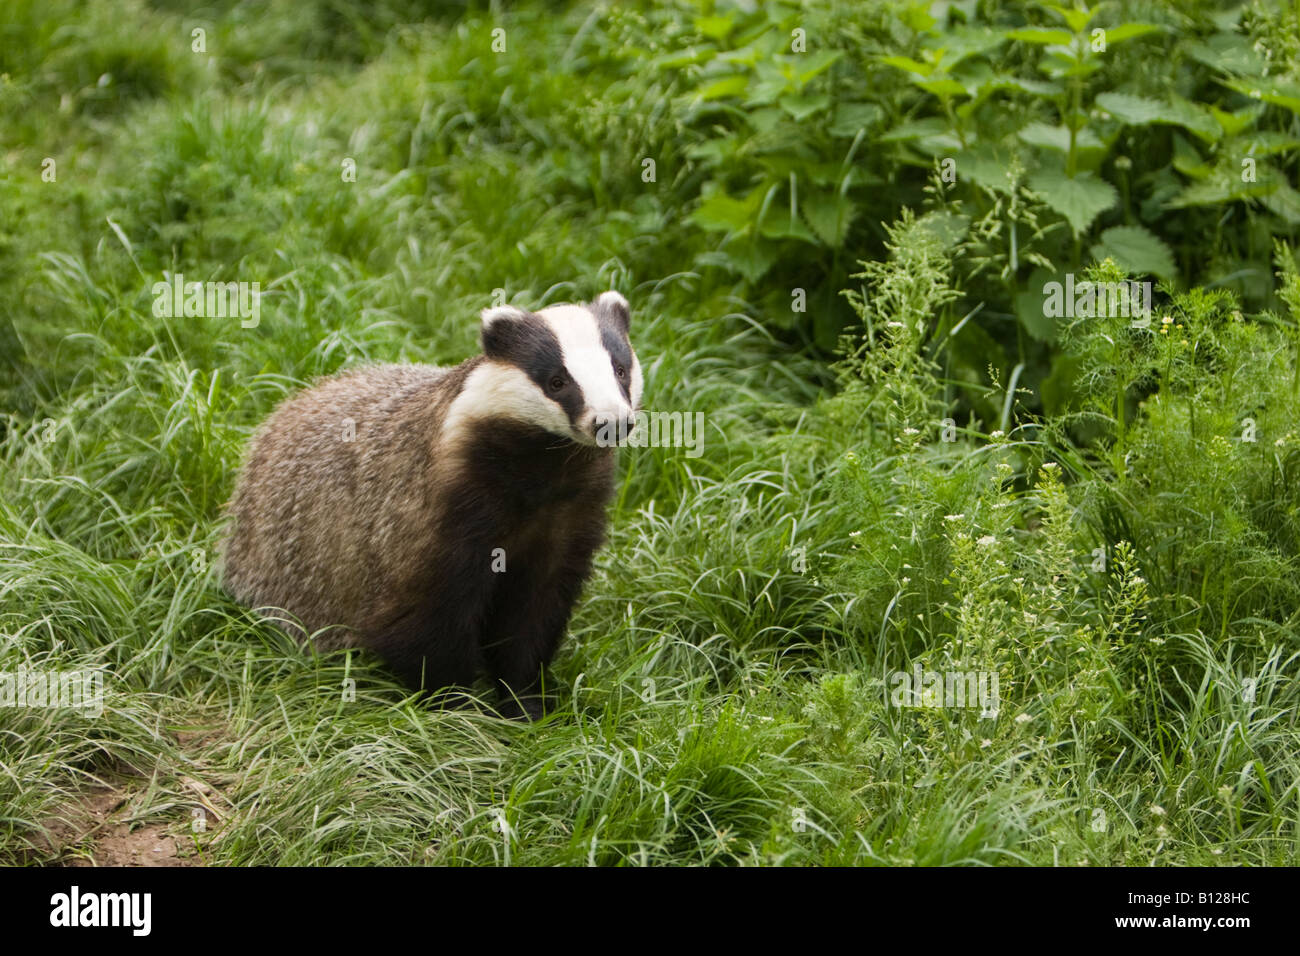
x=1144 y=123
x=969 y=555
x=1088 y=135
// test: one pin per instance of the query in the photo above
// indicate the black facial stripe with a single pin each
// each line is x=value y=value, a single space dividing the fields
x=614 y=338
x=615 y=314
x=529 y=344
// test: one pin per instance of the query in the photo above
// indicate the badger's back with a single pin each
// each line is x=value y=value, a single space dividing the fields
x=335 y=501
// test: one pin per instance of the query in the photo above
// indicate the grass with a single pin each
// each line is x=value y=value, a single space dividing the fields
x=723 y=695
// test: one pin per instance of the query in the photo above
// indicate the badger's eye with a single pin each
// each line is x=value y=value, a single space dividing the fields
x=621 y=372
x=557 y=383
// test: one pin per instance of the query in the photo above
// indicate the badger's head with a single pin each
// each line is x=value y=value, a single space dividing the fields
x=568 y=369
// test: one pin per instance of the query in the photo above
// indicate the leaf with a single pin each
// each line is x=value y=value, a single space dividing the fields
x=949 y=228
x=1141 y=111
x=809 y=66
x=1080 y=200
x=771 y=83
x=984 y=167
x=1076 y=19
x=747 y=258
x=907 y=64
x=916 y=129
x=715 y=28
x=1129 y=31
x=1194 y=118
x=1286 y=95
x=801 y=106
x=1032 y=87
x=1234 y=123
x=1133 y=110
x=1031 y=306
x=721 y=213
x=944 y=86
x=1036 y=35
x=1266 y=142
x=958 y=43
x=851 y=117
x=781 y=225
x=1228 y=53
x=1137 y=251
x=727 y=86
x=829 y=214
x=1058 y=137
x=1285 y=203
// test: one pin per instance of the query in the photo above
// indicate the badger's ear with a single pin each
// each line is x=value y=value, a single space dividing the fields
x=612 y=305
x=500 y=328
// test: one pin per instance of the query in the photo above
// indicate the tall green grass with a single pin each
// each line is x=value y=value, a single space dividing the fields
x=1125 y=562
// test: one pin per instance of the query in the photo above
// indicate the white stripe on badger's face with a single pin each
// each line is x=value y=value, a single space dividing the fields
x=637 y=382
x=588 y=362
x=497 y=389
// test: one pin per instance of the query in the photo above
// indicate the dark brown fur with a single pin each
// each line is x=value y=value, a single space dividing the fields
x=387 y=541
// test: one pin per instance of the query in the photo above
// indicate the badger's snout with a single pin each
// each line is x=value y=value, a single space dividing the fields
x=611 y=428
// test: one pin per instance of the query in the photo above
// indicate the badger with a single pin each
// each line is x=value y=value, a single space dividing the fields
x=443 y=518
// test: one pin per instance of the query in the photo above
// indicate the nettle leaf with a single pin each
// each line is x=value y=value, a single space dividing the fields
x=1266 y=142
x=768 y=120
x=984 y=167
x=716 y=152
x=1241 y=120
x=1141 y=111
x=1227 y=53
x=1279 y=93
x=801 y=106
x=1075 y=18
x=961 y=43
x=944 y=86
x=908 y=65
x=829 y=214
x=1284 y=202
x=1058 y=137
x=1133 y=110
x=748 y=258
x=720 y=213
x=851 y=117
x=916 y=129
x=976 y=78
x=1080 y=200
x=1032 y=87
x=809 y=66
x=1130 y=31
x=1187 y=160
x=1031 y=305
x=1062 y=63
x=715 y=28
x=1042 y=36
x=1224 y=185
x=727 y=86
x=772 y=83
x=1194 y=118
x=781 y=225
x=680 y=59
x=1137 y=251
x=930 y=135
x=949 y=228
x=1031 y=311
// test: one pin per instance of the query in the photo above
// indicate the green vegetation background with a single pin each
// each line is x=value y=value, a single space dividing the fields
x=839 y=257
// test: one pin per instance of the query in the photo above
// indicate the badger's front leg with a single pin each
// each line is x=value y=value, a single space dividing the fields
x=526 y=622
x=435 y=643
